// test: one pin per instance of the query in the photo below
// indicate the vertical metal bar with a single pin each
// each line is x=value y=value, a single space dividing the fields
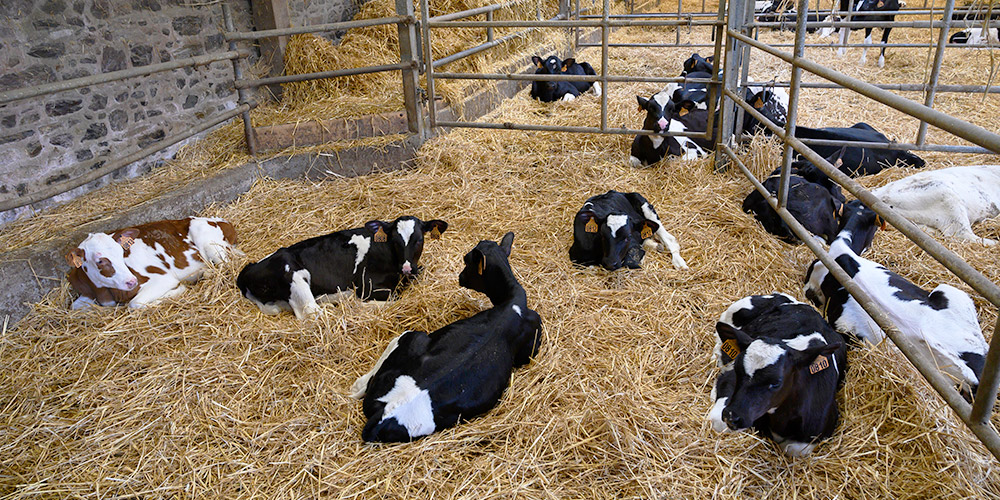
x=605 y=34
x=748 y=28
x=576 y=41
x=411 y=77
x=489 y=29
x=677 y=29
x=733 y=47
x=429 y=62
x=715 y=91
x=793 y=101
x=242 y=93
x=949 y=6
x=989 y=381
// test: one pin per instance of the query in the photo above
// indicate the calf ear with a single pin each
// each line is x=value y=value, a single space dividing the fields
x=710 y=59
x=685 y=107
x=837 y=159
x=811 y=356
x=642 y=102
x=589 y=220
x=75 y=257
x=567 y=63
x=734 y=341
x=434 y=228
x=646 y=228
x=126 y=237
x=506 y=243
x=377 y=228
x=537 y=60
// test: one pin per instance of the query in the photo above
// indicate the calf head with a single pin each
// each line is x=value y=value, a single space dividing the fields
x=102 y=257
x=770 y=372
x=617 y=236
x=697 y=63
x=551 y=65
x=486 y=266
x=768 y=104
x=405 y=237
x=659 y=110
x=858 y=225
x=877 y=5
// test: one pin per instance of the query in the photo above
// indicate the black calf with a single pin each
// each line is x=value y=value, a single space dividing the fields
x=858 y=161
x=553 y=91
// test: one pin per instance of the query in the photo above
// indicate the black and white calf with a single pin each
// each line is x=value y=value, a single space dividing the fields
x=370 y=262
x=950 y=200
x=858 y=161
x=424 y=383
x=976 y=36
x=567 y=91
x=781 y=366
x=770 y=102
x=664 y=115
x=943 y=321
x=613 y=228
x=697 y=64
x=813 y=199
x=868 y=10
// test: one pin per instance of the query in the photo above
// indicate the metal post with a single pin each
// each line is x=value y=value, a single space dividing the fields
x=227 y=17
x=411 y=77
x=747 y=28
x=576 y=29
x=489 y=29
x=428 y=61
x=793 y=102
x=733 y=47
x=677 y=30
x=989 y=381
x=949 y=6
x=604 y=64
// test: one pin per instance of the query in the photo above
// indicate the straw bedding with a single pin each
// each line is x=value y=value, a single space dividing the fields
x=204 y=396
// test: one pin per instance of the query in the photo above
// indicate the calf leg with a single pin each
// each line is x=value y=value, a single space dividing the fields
x=156 y=289
x=844 y=36
x=209 y=240
x=868 y=41
x=83 y=302
x=885 y=39
x=301 y=299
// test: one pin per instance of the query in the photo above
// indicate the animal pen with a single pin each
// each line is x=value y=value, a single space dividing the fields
x=206 y=396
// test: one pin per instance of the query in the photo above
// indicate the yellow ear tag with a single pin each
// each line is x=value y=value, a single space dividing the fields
x=730 y=348
x=379 y=236
x=759 y=103
x=482 y=266
x=591 y=226
x=565 y=68
x=646 y=232
x=77 y=261
x=126 y=242
x=819 y=365
x=435 y=233
x=683 y=111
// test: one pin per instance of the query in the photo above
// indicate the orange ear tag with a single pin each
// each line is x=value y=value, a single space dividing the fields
x=435 y=233
x=77 y=261
x=379 y=236
x=126 y=242
x=591 y=226
x=646 y=232
x=482 y=266
x=683 y=111
x=819 y=365
x=759 y=103
x=730 y=348
x=641 y=109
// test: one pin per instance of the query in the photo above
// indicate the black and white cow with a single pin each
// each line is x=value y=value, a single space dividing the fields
x=697 y=64
x=950 y=200
x=567 y=91
x=613 y=228
x=868 y=10
x=781 y=366
x=813 y=199
x=663 y=115
x=770 y=102
x=858 y=161
x=425 y=383
x=975 y=36
x=370 y=262
x=943 y=321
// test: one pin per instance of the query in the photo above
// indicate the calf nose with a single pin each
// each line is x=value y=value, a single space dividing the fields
x=407 y=269
x=735 y=422
x=130 y=284
x=662 y=123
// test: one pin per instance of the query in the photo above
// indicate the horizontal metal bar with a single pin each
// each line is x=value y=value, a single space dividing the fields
x=914 y=353
x=835 y=45
x=989 y=290
x=75 y=83
x=317 y=28
x=564 y=128
x=96 y=173
x=960 y=128
x=652 y=15
x=651 y=45
x=473 y=12
x=569 y=23
x=901 y=146
x=240 y=84
x=488 y=45
x=989 y=381
x=900 y=87
x=571 y=78
x=864 y=24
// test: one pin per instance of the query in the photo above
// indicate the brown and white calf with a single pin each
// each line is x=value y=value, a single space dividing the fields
x=146 y=263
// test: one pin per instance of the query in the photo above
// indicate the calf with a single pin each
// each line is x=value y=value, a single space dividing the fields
x=567 y=91
x=858 y=161
x=781 y=366
x=698 y=64
x=950 y=200
x=975 y=36
x=369 y=262
x=772 y=103
x=663 y=115
x=869 y=11
x=813 y=199
x=144 y=264
x=611 y=230
x=943 y=321
x=424 y=383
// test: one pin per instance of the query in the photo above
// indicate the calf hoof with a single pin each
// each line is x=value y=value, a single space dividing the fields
x=568 y=97
x=881 y=61
x=634 y=162
x=679 y=263
x=596 y=89
x=841 y=51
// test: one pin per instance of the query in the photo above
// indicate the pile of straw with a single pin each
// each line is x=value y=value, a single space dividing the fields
x=204 y=396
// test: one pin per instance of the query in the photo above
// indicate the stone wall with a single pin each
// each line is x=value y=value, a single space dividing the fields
x=48 y=139
x=308 y=12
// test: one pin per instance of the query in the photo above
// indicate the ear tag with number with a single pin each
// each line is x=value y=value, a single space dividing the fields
x=819 y=365
x=591 y=226
x=646 y=232
x=759 y=103
x=482 y=266
x=435 y=233
x=730 y=348
x=76 y=261
x=683 y=111
x=126 y=242
x=379 y=236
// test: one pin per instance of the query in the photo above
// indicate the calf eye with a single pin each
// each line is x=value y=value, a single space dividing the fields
x=774 y=386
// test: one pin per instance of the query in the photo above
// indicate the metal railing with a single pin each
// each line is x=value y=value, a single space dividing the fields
x=976 y=416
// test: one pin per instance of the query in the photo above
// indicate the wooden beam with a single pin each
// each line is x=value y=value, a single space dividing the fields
x=268 y=15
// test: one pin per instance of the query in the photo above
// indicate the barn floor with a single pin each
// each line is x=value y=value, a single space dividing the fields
x=205 y=396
